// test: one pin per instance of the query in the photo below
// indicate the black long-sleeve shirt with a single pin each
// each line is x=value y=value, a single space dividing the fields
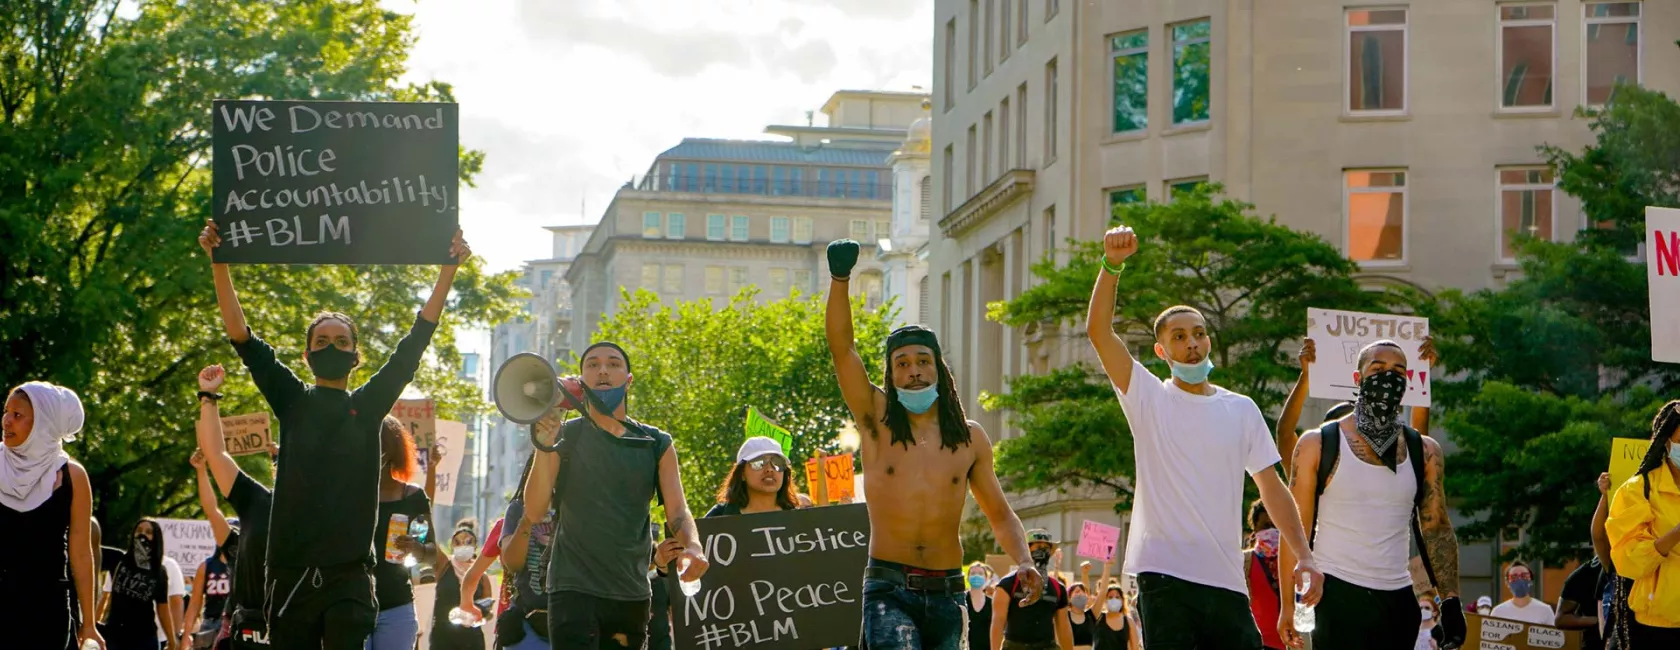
x=326 y=494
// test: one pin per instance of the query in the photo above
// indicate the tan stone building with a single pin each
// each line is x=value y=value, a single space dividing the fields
x=1403 y=132
x=712 y=217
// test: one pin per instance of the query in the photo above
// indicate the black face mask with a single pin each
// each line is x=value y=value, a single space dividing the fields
x=1041 y=557
x=144 y=552
x=1377 y=411
x=330 y=363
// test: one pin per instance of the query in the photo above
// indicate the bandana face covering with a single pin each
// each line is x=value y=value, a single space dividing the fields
x=142 y=552
x=1266 y=543
x=1377 y=411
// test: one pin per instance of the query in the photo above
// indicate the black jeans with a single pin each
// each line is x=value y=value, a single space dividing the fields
x=329 y=608
x=1182 y=615
x=1642 y=636
x=1351 y=616
x=582 y=622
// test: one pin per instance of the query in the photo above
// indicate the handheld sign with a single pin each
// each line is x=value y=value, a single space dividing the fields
x=758 y=425
x=1098 y=540
x=246 y=434
x=308 y=182
x=838 y=478
x=1662 y=269
x=419 y=416
x=1340 y=335
x=814 y=481
x=1625 y=454
x=1502 y=634
x=453 y=437
x=790 y=579
x=189 y=541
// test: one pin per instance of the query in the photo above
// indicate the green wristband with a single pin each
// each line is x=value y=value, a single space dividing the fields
x=1111 y=269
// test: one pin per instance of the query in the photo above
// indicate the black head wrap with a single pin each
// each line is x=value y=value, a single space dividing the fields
x=912 y=335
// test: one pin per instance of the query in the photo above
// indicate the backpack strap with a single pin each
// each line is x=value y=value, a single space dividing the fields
x=1329 y=450
x=1414 y=451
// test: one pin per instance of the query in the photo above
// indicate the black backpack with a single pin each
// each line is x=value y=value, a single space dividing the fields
x=1330 y=436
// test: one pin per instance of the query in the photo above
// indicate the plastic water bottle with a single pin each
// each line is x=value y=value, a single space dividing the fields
x=463 y=618
x=1306 y=620
x=689 y=589
x=90 y=644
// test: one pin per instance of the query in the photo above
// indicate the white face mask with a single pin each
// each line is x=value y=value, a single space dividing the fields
x=463 y=554
x=1428 y=615
x=1114 y=605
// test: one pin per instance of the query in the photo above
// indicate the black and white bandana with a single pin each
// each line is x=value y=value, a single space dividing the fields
x=1376 y=413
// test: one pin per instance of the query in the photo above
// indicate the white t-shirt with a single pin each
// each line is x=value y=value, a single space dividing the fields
x=1191 y=453
x=177 y=587
x=1537 y=612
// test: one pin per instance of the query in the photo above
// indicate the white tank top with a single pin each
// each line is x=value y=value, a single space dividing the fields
x=1364 y=523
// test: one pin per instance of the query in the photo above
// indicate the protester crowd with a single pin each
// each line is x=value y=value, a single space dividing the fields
x=330 y=556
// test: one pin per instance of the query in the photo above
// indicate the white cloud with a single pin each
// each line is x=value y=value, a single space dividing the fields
x=571 y=98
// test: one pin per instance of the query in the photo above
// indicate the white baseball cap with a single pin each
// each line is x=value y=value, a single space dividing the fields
x=758 y=446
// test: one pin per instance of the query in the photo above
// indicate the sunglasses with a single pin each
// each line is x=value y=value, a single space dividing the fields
x=767 y=464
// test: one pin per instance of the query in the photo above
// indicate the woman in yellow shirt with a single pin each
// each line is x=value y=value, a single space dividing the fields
x=1644 y=529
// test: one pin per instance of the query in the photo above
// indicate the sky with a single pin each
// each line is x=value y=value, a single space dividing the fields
x=570 y=99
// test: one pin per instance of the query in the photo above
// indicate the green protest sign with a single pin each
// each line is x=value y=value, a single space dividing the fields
x=758 y=425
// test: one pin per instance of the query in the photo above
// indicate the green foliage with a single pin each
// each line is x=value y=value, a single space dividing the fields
x=1541 y=374
x=698 y=367
x=1251 y=277
x=104 y=183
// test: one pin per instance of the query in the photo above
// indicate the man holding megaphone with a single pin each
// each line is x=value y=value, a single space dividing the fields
x=598 y=592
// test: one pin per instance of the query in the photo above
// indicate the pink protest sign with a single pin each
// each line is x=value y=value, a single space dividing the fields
x=1097 y=541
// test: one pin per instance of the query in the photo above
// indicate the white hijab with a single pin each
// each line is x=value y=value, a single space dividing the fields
x=26 y=471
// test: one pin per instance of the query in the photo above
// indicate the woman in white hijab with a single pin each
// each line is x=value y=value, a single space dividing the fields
x=46 y=508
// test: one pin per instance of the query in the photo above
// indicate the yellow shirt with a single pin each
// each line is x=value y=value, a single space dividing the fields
x=1635 y=524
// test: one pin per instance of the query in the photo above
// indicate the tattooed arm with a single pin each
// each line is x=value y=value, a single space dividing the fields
x=1438 y=535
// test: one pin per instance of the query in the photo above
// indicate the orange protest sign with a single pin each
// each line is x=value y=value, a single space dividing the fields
x=838 y=478
x=814 y=482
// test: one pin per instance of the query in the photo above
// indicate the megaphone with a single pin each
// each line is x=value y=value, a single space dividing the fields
x=526 y=387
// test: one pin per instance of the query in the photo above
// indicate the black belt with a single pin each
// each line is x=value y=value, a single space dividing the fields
x=951 y=584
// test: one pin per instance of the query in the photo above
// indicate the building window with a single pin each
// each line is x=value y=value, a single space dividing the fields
x=802 y=279
x=652 y=225
x=728 y=186
x=1526 y=55
x=1021 y=124
x=971 y=171
x=1050 y=240
x=883 y=228
x=986 y=52
x=802 y=230
x=1130 y=52
x=1376 y=57
x=650 y=277
x=1192 y=61
x=973 y=43
x=1021 y=23
x=950 y=64
x=1181 y=187
x=779 y=230
x=1003 y=135
x=1526 y=207
x=1051 y=8
x=1050 y=130
x=737 y=279
x=1003 y=33
x=1376 y=215
x=716 y=224
x=945 y=191
x=738 y=228
x=675 y=226
x=926 y=185
x=1612 y=51
x=986 y=148
x=711 y=183
x=714 y=280
x=778 y=283
x=922 y=300
x=673 y=278
x=860 y=230
x=1125 y=196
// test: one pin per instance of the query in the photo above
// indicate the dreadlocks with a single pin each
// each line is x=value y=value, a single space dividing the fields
x=1662 y=427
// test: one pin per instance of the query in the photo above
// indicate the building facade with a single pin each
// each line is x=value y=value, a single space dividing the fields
x=713 y=217
x=902 y=251
x=1405 y=133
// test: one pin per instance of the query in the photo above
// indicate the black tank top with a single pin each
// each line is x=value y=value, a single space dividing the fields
x=218 y=586
x=1106 y=638
x=446 y=635
x=39 y=540
x=1082 y=631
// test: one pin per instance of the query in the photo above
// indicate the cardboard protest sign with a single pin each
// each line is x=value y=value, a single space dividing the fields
x=1340 y=335
x=419 y=416
x=838 y=478
x=1488 y=633
x=1662 y=269
x=453 y=437
x=246 y=434
x=1625 y=455
x=316 y=182
x=189 y=541
x=791 y=579
x=1098 y=540
x=758 y=425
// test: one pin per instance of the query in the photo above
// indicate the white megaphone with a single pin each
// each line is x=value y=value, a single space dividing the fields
x=527 y=386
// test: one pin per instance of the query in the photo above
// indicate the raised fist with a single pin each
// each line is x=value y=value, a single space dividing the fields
x=1119 y=243
x=197 y=459
x=211 y=378
x=1604 y=483
x=842 y=256
x=1309 y=353
x=208 y=238
x=1427 y=352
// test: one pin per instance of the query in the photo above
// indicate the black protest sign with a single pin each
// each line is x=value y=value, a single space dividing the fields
x=788 y=580
x=304 y=182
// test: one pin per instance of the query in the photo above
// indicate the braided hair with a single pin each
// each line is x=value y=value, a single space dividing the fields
x=1662 y=427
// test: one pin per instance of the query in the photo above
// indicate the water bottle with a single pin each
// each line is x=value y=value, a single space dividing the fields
x=463 y=618
x=689 y=589
x=1306 y=620
x=90 y=644
x=417 y=529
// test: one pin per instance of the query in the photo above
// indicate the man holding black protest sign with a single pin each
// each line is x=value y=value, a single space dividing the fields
x=326 y=496
x=913 y=586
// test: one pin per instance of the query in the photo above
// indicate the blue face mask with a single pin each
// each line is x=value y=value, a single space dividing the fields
x=611 y=397
x=1192 y=373
x=918 y=401
x=1674 y=453
x=976 y=582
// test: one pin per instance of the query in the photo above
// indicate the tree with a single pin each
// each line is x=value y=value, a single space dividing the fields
x=104 y=182
x=698 y=367
x=1543 y=373
x=1251 y=277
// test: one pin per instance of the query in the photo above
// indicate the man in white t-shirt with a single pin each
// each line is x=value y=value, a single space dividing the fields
x=1193 y=441
x=1521 y=606
x=177 y=596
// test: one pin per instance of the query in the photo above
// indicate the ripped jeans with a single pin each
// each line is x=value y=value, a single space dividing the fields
x=896 y=617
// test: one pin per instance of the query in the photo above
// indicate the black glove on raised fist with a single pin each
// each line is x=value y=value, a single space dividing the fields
x=1453 y=628
x=842 y=256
